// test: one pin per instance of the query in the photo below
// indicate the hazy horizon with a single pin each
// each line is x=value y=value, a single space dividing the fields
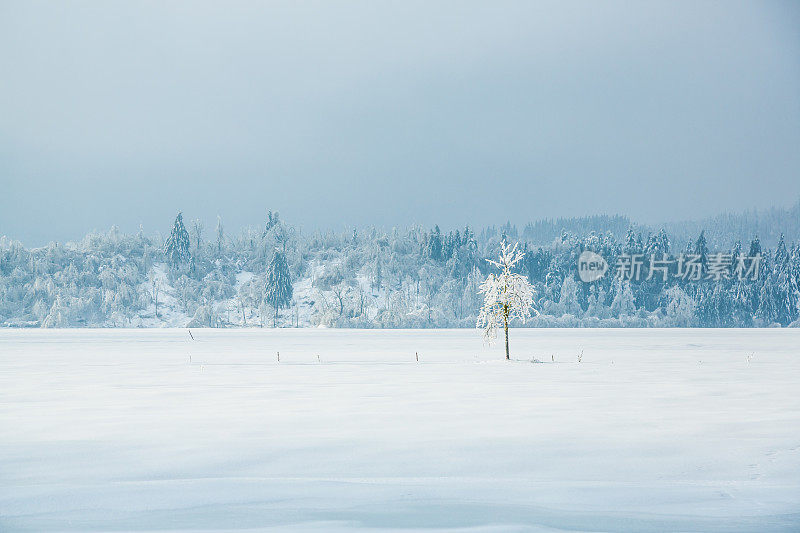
x=209 y=226
x=392 y=114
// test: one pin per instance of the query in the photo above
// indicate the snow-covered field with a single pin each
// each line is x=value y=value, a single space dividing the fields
x=655 y=430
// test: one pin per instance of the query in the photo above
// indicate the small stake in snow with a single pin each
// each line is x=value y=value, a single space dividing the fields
x=279 y=357
x=190 y=334
x=552 y=358
x=580 y=356
x=417 y=355
x=318 y=359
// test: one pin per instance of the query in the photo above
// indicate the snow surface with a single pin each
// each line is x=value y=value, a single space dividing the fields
x=655 y=430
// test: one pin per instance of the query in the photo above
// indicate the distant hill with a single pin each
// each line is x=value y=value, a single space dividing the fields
x=725 y=229
x=722 y=231
x=545 y=231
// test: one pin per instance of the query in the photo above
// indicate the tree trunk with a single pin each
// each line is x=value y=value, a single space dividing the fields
x=505 y=326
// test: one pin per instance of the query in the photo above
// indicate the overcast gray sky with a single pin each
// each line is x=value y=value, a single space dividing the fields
x=392 y=113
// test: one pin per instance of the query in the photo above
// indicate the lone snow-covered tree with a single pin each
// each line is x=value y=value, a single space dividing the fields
x=279 y=284
x=507 y=296
x=177 y=245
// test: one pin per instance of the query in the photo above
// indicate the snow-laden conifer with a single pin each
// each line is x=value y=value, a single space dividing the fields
x=177 y=245
x=279 y=284
x=507 y=296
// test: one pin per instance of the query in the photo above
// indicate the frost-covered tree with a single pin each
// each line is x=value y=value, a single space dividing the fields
x=630 y=243
x=377 y=278
x=155 y=288
x=279 y=284
x=177 y=245
x=272 y=220
x=596 y=303
x=623 y=303
x=197 y=233
x=755 y=247
x=680 y=308
x=205 y=316
x=220 y=236
x=701 y=250
x=569 y=297
x=434 y=244
x=507 y=296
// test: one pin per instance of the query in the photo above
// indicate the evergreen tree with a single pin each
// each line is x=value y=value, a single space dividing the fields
x=767 y=311
x=736 y=253
x=663 y=241
x=781 y=256
x=630 y=243
x=177 y=245
x=755 y=288
x=701 y=249
x=786 y=293
x=435 y=244
x=469 y=236
x=793 y=288
x=448 y=245
x=741 y=303
x=755 y=247
x=623 y=303
x=279 y=284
